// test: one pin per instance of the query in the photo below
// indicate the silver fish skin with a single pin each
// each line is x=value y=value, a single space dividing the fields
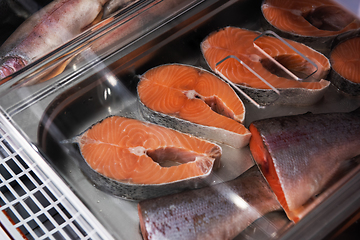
x=303 y=152
x=206 y=132
x=218 y=212
x=49 y=28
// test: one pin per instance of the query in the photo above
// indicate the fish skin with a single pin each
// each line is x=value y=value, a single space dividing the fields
x=203 y=131
x=206 y=132
x=210 y=212
x=52 y=26
x=287 y=97
x=128 y=139
x=303 y=152
x=344 y=84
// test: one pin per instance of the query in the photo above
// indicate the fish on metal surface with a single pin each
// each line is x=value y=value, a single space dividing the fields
x=221 y=211
x=137 y=160
x=238 y=42
x=194 y=101
x=49 y=28
x=300 y=154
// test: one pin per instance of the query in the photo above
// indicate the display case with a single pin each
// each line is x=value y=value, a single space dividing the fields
x=44 y=191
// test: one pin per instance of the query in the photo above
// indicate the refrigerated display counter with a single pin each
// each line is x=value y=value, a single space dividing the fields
x=46 y=191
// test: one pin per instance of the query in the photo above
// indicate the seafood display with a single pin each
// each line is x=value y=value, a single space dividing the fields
x=138 y=153
x=314 y=22
x=49 y=28
x=231 y=41
x=299 y=154
x=166 y=116
x=194 y=101
x=345 y=62
x=218 y=212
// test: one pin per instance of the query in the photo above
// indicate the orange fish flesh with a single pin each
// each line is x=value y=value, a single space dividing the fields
x=345 y=62
x=319 y=18
x=130 y=151
x=239 y=42
x=194 y=101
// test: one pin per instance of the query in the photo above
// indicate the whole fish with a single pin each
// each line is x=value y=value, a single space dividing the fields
x=218 y=212
x=300 y=154
x=50 y=27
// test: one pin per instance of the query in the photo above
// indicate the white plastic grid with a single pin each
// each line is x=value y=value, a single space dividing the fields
x=35 y=207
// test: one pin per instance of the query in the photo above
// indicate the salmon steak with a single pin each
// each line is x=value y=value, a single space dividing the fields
x=232 y=41
x=300 y=154
x=133 y=152
x=218 y=212
x=345 y=63
x=194 y=101
x=309 y=20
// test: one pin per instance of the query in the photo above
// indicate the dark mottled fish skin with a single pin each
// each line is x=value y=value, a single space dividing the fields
x=344 y=84
x=306 y=151
x=218 y=212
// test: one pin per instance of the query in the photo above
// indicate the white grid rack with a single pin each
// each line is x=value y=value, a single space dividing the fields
x=33 y=205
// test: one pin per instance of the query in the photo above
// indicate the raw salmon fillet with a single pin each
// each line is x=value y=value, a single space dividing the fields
x=130 y=150
x=239 y=42
x=319 y=18
x=197 y=96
